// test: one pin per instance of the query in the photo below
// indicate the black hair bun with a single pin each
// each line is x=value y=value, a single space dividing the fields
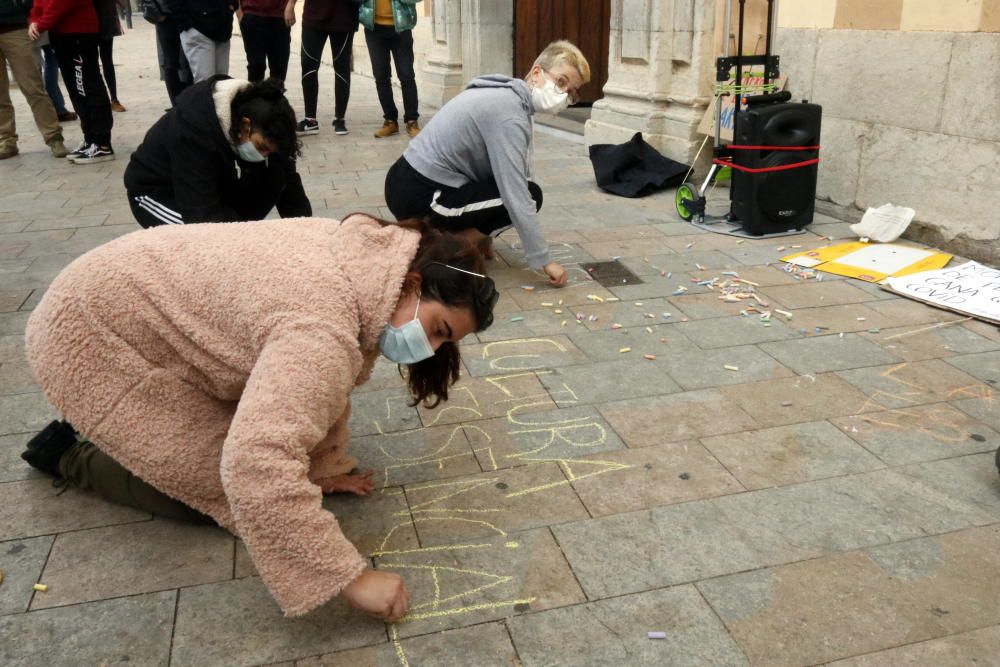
x=270 y=89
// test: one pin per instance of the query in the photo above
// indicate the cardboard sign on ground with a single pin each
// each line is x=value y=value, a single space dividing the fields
x=871 y=262
x=707 y=124
x=971 y=289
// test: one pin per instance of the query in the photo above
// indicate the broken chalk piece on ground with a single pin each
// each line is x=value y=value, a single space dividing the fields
x=666 y=315
x=689 y=245
x=564 y=322
x=612 y=299
x=649 y=329
x=786 y=404
x=670 y=274
x=860 y=319
x=616 y=326
x=528 y=288
x=874 y=330
x=663 y=273
x=841 y=334
x=656 y=635
x=624 y=350
x=731 y=368
x=783 y=312
x=638 y=304
x=651 y=357
x=558 y=311
x=40 y=588
x=780 y=248
x=546 y=304
x=517 y=319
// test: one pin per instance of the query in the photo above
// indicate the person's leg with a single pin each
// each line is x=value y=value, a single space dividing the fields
x=254 y=31
x=222 y=57
x=106 y=49
x=153 y=212
x=66 y=50
x=407 y=194
x=170 y=42
x=278 y=48
x=402 y=55
x=378 y=50
x=16 y=47
x=313 y=42
x=8 y=127
x=342 y=44
x=51 y=68
x=475 y=206
x=200 y=53
x=95 y=94
x=87 y=467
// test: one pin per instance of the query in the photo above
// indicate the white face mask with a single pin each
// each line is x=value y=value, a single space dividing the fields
x=247 y=151
x=547 y=98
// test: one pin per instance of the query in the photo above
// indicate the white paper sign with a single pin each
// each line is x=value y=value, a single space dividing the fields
x=971 y=288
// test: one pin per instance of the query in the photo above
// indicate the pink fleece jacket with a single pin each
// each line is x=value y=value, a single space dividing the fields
x=215 y=362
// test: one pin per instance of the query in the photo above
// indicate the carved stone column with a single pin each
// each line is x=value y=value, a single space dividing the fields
x=487 y=37
x=443 y=73
x=660 y=75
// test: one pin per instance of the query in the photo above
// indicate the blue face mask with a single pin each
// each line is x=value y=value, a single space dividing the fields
x=247 y=151
x=407 y=344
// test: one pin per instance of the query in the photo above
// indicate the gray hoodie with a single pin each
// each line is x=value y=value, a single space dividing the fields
x=485 y=133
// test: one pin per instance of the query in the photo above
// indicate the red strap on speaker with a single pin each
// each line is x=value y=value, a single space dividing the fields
x=772 y=148
x=762 y=170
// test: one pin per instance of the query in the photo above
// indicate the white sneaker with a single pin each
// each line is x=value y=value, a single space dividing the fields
x=95 y=154
x=78 y=152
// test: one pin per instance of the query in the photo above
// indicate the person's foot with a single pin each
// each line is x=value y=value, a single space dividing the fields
x=117 y=106
x=67 y=116
x=8 y=152
x=412 y=128
x=44 y=450
x=58 y=148
x=95 y=154
x=79 y=151
x=389 y=128
x=486 y=247
x=358 y=483
x=339 y=126
x=307 y=126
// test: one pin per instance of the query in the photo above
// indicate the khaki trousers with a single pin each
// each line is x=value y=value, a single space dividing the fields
x=15 y=48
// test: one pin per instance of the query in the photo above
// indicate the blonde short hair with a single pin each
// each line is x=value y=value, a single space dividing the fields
x=564 y=51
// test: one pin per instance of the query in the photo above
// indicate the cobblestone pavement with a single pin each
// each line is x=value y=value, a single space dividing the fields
x=817 y=489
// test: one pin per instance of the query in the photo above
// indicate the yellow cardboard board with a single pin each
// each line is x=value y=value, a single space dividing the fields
x=871 y=262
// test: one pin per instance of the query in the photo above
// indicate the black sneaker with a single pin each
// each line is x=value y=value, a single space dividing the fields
x=80 y=150
x=339 y=126
x=45 y=449
x=307 y=126
x=95 y=154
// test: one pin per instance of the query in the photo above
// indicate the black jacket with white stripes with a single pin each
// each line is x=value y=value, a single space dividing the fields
x=186 y=158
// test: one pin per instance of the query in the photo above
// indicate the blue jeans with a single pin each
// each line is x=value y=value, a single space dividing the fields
x=51 y=70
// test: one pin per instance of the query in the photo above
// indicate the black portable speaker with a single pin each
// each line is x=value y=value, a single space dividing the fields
x=767 y=202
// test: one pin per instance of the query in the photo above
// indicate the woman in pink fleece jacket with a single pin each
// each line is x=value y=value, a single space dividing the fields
x=214 y=364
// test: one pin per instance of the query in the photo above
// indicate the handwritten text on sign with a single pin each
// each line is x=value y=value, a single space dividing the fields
x=971 y=288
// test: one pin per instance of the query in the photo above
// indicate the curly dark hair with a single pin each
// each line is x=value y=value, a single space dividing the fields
x=429 y=380
x=269 y=112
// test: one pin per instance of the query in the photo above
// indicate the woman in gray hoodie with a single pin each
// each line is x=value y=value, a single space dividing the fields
x=469 y=169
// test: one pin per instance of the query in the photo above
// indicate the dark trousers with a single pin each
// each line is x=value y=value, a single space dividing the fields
x=81 y=72
x=87 y=467
x=475 y=205
x=313 y=43
x=169 y=38
x=51 y=72
x=266 y=40
x=150 y=212
x=384 y=42
x=108 y=65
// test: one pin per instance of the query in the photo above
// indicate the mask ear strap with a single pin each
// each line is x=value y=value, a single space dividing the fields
x=417 y=309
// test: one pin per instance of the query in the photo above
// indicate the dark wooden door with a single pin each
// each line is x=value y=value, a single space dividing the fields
x=586 y=23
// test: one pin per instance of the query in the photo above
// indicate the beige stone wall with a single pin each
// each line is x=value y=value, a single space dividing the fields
x=905 y=15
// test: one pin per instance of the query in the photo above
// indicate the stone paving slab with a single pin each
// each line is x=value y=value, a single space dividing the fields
x=376 y=522
x=790 y=454
x=910 y=344
x=985 y=366
x=483 y=580
x=920 y=433
x=472 y=399
x=25 y=413
x=238 y=623
x=839 y=604
x=736 y=330
x=708 y=368
x=609 y=380
x=613 y=632
x=977 y=647
x=798 y=399
x=12 y=467
x=908 y=384
x=119 y=561
x=825 y=293
x=486 y=644
x=504 y=357
x=124 y=631
x=22 y=562
x=666 y=340
x=633 y=479
x=822 y=354
x=709 y=538
x=420 y=455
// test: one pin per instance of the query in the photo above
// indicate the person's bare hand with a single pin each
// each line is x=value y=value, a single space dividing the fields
x=290 y=14
x=33 y=31
x=359 y=484
x=239 y=14
x=556 y=273
x=382 y=595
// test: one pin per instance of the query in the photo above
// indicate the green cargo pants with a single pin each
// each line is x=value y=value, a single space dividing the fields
x=87 y=467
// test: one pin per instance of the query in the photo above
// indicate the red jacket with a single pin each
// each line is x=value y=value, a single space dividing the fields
x=65 y=16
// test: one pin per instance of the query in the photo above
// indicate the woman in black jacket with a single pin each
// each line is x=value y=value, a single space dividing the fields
x=225 y=152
